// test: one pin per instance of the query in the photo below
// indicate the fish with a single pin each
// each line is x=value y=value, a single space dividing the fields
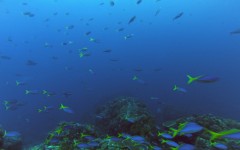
x=233 y=136
x=170 y=143
x=157 y=12
x=190 y=127
x=83 y=146
x=107 y=50
x=18 y=83
x=179 y=15
x=165 y=135
x=67 y=94
x=186 y=147
x=192 y=79
x=154 y=98
x=232 y=133
x=180 y=89
x=128 y=36
x=112 y=3
x=93 y=40
x=5 y=57
x=69 y=27
x=208 y=79
x=32 y=92
x=91 y=71
x=46 y=109
x=120 y=29
x=12 y=104
x=66 y=109
x=139 y=2
x=31 y=63
x=47 y=93
x=88 y=33
x=237 y=31
x=138 y=139
x=219 y=145
x=114 y=60
x=28 y=13
x=132 y=19
x=11 y=134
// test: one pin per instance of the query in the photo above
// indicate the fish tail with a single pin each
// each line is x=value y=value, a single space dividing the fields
x=175 y=88
x=17 y=83
x=27 y=92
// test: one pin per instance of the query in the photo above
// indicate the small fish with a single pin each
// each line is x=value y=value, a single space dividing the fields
x=219 y=146
x=19 y=83
x=178 y=16
x=190 y=127
x=180 y=89
x=46 y=109
x=11 y=134
x=66 y=109
x=83 y=146
x=12 y=104
x=112 y=3
x=93 y=40
x=165 y=135
x=233 y=136
x=67 y=94
x=235 y=32
x=135 y=78
x=157 y=12
x=170 y=143
x=139 y=1
x=186 y=147
x=31 y=63
x=32 y=92
x=69 y=27
x=138 y=139
x=28 y=13
x=192 y=79
x=132 y=19
x=154 y=98
x=120 y=29
x=91 y=71
x=88 y=33
x=114 y=60
x=5 y=57
x=128 y=36
x=107 y=50
x=84 y=49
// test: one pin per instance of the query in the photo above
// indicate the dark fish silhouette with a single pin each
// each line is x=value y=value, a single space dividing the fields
x=31 y=63
x=178 y=16
x=235 y=31
x=29 y=14
x=107 y=50
x=132 y=20
x=139 y=1
x=88 y=33
x=112 y=3
x=67 y=94
x=120 y=29
x=5 y=57
x=157 y=12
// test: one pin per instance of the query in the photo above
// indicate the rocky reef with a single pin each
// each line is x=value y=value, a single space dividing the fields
x=10 y=141
x=126 y=124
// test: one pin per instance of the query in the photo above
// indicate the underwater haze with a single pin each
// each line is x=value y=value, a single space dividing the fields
x=82 y=53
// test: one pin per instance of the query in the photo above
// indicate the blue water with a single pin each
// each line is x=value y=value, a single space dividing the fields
x=166 y=50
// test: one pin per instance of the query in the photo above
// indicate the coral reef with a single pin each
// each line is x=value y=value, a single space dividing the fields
x=126 y=124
